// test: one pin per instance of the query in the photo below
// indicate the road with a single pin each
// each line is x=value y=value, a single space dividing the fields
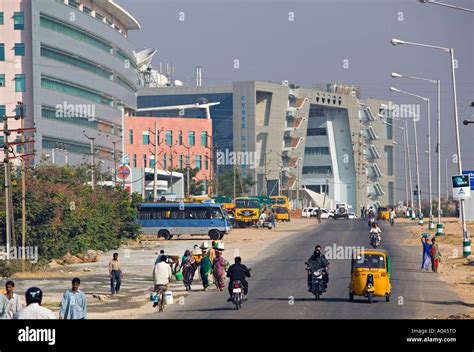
x=278 y=285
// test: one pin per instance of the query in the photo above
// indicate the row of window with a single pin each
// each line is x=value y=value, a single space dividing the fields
x=316 y=132
x=18 y=49
x=323 y=170
x=72 y=89
x=169 y=138
x=183 y=161
x=72 y=146
x=20 y=84
x=316 y=151
x=18 y=20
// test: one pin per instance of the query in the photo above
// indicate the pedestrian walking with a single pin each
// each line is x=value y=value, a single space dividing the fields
x=392 y=216
x=115 y=273
x=159 y=258
x=205 y=266
x=220 y=266
x=162 y=275
x=189 y=269
x=3 y=307
x=435 y=255
x=14 y=301
x=74 y=303
x=426 y=261
x=319 y=215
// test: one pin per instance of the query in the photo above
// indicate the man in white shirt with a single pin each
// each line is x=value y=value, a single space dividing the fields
x=14 y=302
x=162 y=273
x=33 y=310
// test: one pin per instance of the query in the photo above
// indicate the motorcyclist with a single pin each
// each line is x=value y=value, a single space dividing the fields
x=318 y=261
x=375 y=230
x=238 y=272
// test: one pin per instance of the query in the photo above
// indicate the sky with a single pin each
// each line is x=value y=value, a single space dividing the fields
x=314 y=42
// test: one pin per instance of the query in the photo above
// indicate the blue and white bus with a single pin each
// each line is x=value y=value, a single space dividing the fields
x=176 y=219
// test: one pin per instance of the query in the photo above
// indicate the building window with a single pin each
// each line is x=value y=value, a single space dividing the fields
x=181 y=161
x=19 y=49
x=180 y=138
x=72 y=89
x=206 y=162
x=63 y=28
x=316 y=132
x=152 y=161
x=204 y=139
x=20 y=83
x=169 y=137
x=86 y=9
x=191 y=136
x=389 y=126
x=145 y=137
x=2 y=52
x=3 y=112
x=187 y=161
x=144 y=160
x=197 y=162
x=163 y=161
x=322 y=170
x=1 y=17
x=389 y=158
x=19 y=20
x=74 y=60
x=130 y=137
x=2 y=80
x=316 y=151
x=134 y=160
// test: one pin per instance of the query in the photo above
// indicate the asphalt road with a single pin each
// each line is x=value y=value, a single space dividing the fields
x=278 y=285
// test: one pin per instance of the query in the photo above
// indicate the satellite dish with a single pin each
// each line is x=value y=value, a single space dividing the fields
x=144 y=59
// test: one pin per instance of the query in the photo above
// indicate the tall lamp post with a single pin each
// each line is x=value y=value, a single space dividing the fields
x=466 y=240
x=445 y=5
x=439 y=226
x=431 y=225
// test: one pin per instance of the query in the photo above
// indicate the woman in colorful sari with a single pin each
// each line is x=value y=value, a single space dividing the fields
x=205 y=266
x=189 y=268
x=435 y=255
x=426 y=261
x=220 y=265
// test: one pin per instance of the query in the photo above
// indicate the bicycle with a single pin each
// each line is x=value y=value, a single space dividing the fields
x=159 y=298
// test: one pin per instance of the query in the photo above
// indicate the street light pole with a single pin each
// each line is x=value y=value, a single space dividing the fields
x=466 y=239
x=446 y=5
x=92 y=141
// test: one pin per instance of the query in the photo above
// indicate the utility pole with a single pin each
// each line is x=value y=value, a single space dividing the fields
x=156 y=142
x=233 y=169
x=326 y=189
x=7 y=149
x=188 y=162
x=265 y=180
x=92 y=140
x=211 y=154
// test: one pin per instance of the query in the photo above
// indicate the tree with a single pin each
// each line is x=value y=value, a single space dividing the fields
x=226 y=183
x=65 y=215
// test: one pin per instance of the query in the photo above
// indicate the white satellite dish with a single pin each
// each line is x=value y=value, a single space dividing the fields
x=144 y=58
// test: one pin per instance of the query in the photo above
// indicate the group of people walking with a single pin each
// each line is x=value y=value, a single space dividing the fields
x=210 y=263
x=431 y=253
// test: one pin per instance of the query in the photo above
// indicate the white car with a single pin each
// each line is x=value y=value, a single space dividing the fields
x=325 y=214
x=352 y=216
x=306 y=212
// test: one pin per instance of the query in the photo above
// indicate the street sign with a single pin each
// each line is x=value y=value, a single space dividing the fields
x=461 y=186
x=471 y=174
x=123 y=172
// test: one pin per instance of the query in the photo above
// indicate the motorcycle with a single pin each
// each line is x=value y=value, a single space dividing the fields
x=317 y=284
x=375 y=240
x=265 y=223
x=237 y=294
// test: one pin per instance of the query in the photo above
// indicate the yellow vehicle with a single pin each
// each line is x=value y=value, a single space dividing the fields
x=247 y=211
x=383 y=213
x=197 y=199
x=370 y=275
x=282 y=207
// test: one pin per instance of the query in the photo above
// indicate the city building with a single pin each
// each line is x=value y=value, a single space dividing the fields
x=72 y=65
x=324 y=140
x=181 y=142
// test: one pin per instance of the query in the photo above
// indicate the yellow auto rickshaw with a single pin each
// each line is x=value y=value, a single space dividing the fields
x=370 y=275
x=383 y=213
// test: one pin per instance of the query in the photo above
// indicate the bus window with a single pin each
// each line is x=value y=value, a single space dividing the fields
x=215 y=213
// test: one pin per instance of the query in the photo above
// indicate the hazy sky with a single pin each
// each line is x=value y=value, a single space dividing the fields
x=312 y=48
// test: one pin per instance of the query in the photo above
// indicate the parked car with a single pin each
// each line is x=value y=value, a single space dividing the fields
x=306 y=212
x=325 y=213
x=352 y=216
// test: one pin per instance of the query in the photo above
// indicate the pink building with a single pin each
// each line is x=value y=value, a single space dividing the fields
x=178 y=138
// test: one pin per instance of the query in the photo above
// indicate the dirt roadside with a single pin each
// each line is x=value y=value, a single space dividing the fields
x=454 y=269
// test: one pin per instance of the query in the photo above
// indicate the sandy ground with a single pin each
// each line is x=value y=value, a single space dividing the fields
x=137 y=261
x=454 y=269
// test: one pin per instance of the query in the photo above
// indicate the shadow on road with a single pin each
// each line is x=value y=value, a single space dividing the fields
x=311 y=299
x=448 y=303
x=209 y=309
